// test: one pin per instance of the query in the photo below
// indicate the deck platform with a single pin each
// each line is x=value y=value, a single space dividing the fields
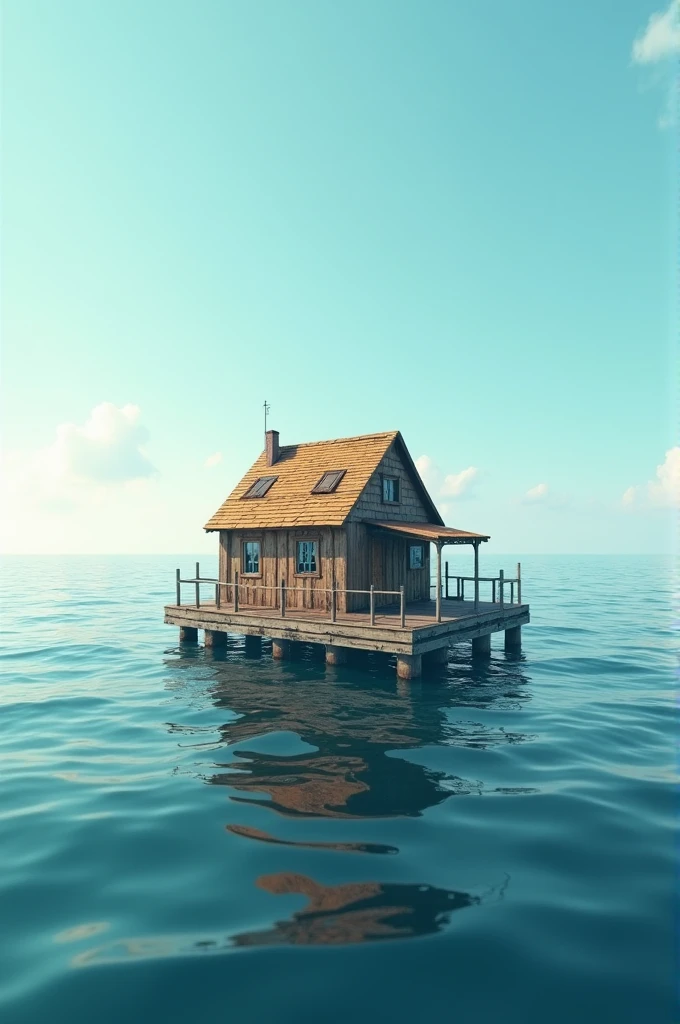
x=421 y=634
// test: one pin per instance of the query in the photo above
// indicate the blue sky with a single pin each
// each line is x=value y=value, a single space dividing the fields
x=453 y=219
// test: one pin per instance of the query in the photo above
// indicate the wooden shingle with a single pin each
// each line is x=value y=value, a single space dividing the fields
x=289 y=502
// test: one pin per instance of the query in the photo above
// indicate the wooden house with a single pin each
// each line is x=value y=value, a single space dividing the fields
x=347 y=514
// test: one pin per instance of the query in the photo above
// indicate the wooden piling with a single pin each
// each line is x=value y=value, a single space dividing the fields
x=409 y=666
x=335 y=655
x=215 y=638
x=513 y=639
x=481 y=646
x=253 y=646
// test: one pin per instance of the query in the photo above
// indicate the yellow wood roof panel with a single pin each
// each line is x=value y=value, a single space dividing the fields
x=289 y=501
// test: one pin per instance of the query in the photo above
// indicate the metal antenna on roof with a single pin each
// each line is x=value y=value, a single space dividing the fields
x=266 y=408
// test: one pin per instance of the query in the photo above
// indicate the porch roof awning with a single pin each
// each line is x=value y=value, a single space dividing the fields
x=432 y=532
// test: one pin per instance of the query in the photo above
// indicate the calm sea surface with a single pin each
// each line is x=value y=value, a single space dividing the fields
x=187 y=835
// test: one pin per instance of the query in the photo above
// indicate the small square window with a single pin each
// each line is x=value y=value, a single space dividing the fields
x=307 y=558
x=416 y=556
x=329 y=481
x=251 y=557
x=390 y=489
x=260 y=487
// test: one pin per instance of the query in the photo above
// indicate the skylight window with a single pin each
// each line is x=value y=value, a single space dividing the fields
x=260 y=487
x=329 y=481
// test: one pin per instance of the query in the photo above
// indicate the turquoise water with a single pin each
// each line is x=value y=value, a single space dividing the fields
x=187 y=835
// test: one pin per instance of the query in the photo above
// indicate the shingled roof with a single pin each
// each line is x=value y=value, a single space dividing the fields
x=298 y=468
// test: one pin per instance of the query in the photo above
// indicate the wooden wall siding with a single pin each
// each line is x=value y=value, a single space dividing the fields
x=358 y=565
x=277 y=562
x=389 y=569
x=370 y=504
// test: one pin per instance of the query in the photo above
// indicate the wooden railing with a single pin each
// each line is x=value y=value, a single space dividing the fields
x=233 y=589
x=498 y=586
x=230 y=591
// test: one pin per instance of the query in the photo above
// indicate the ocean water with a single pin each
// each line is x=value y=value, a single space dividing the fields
x=188 y=835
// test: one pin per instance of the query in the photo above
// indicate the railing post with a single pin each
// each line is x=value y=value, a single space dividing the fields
x=438 y=600
x=519 y=583
x=457 y=588
x=402 y=605
x=372 y=604
x=236 y=590
x=446 y=580
x=198 y=587
x=283 y=599
x=493 y=591
x=218 y=593
x=334 y=602
x=476 y=575
x=501 y=574
x=179 y=594
x=462 y=588
x=512 y=591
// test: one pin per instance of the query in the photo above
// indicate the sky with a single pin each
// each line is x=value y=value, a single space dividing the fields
x=456 y=220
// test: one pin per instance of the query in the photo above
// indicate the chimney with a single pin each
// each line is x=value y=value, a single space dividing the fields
x=271 y=446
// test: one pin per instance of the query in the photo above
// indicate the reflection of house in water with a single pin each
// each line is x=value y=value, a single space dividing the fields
x=354 y=770
x=350 y=773
x=356 y=912
x=334 y=915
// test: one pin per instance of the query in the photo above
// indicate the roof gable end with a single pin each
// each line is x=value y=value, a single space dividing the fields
x=414 y=502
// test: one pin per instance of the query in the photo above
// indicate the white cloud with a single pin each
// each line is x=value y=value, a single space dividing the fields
x=661 y=492
x=213 y=460
x=537 y=493
x=661 y=37
x=81 y=466
x=107 y=448
x=664 y=490
x=453 y=485
x=427 y=470
x=456 y=484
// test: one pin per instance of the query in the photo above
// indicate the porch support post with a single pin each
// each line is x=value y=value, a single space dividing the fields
x=438 y=599
x=476 y=546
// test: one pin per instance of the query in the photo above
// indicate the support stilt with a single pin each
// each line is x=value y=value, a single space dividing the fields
x=286 y=649
x=215 y=638
x=440 y=656
x=409 y=666
x=188 y=634
x=280 y=649
x=253 y=646
x=513 y=639
x=481 y=646
x=335 y=655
